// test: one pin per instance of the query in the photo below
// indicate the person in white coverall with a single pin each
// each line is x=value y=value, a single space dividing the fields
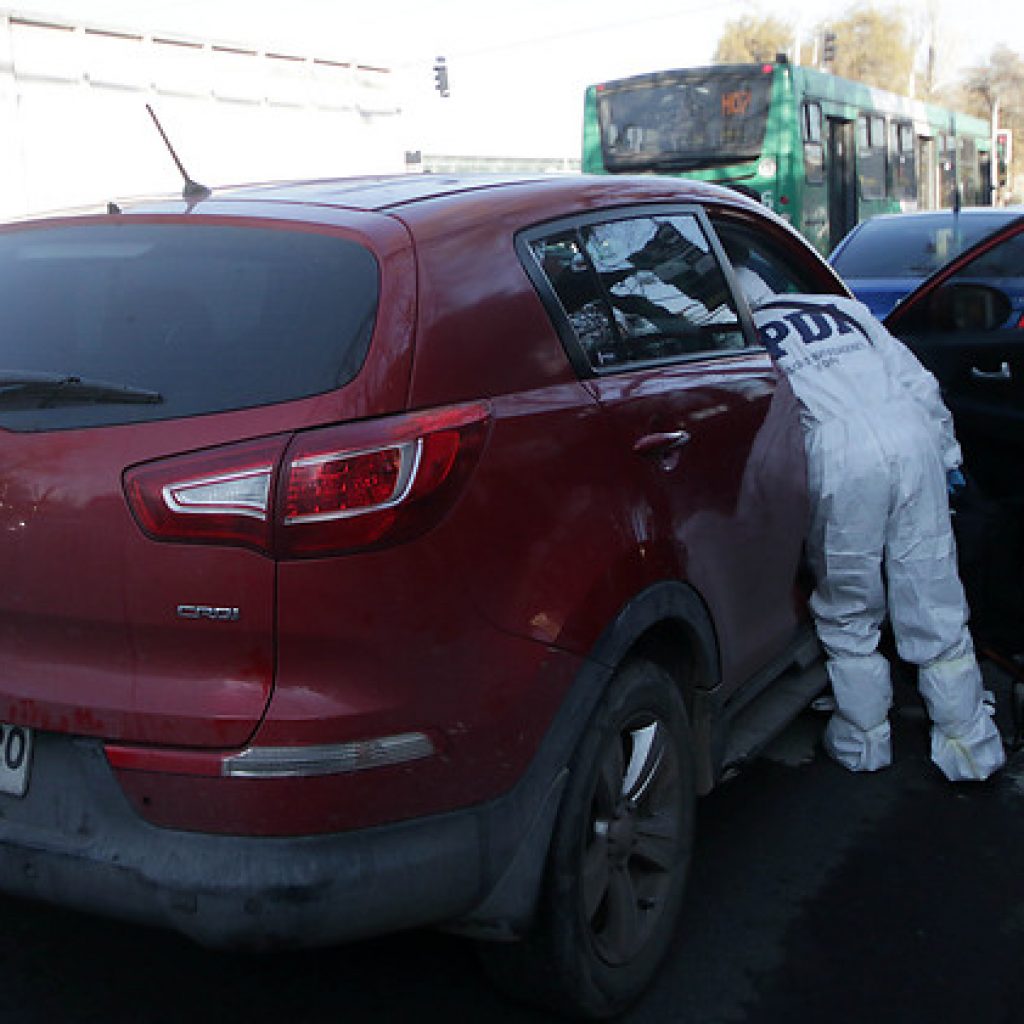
x=880 y=446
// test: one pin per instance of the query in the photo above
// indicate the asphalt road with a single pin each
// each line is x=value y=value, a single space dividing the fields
x=816 y=896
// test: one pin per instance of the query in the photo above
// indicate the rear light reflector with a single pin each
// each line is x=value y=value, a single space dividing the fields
x=275 y=762
x=327 y=491
x=333 y=759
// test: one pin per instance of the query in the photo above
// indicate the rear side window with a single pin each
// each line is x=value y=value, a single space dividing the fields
x=206 y=318
x=640 y=290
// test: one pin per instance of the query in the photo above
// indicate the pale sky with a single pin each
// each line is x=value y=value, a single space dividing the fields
x=517 y=70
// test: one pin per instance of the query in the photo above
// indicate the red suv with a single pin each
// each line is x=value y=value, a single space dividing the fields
x=394 y=552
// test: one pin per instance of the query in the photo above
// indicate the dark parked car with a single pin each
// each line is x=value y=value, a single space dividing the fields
x=966 y=324
x=399 y=552
x=886 y=257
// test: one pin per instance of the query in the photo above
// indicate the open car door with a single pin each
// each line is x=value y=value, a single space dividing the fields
x=966 y=324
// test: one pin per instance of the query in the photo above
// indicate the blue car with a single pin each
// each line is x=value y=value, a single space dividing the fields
x=885 y=258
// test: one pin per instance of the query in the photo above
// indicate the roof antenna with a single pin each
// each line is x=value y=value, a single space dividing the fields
x=192 y=189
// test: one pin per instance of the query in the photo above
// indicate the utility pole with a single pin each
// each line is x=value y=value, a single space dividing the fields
x=952 y=142
x=994 y=160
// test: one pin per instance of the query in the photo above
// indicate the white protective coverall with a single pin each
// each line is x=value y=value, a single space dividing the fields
x=879 y=443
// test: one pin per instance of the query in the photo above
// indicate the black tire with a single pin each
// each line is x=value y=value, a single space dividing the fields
x=619 y=857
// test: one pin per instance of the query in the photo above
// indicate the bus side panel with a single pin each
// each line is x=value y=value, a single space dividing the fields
x=593 y=159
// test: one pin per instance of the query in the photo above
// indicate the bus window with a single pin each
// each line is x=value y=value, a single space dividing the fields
x=967 y=170
x=681 y=120
x=947 y=170
x=984 y=179
x=901 y=149
x=871 y=156
x=814 y=156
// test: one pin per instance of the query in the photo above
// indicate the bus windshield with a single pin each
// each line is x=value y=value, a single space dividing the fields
x=683 y=120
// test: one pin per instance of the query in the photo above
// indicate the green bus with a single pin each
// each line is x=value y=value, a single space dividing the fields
x=821 y=151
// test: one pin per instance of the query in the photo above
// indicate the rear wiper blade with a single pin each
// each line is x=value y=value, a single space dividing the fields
x=39 y=390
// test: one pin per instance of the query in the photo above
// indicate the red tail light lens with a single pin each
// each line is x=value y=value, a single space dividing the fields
x=366 y=484
x=334 y=486
x=329 y=491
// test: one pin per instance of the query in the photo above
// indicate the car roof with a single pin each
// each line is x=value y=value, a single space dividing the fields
x=421 y=192
x=429 y=204
x=386 y=192
x=370 y=193
x=1007 y=212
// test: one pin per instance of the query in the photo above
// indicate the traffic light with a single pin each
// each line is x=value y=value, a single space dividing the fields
x=441 y=77
x=1004 y=154
x=828 y=48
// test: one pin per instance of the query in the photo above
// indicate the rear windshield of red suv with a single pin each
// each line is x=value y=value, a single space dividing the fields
x=121 y=323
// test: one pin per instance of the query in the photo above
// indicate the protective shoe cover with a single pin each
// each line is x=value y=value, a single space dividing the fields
x=858 y=750
x=966 y=744
x=971 y=756
x=857 y=734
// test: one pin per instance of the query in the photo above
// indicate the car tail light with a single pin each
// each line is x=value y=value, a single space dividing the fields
x=328 y=491
x=221 y=496
x=366 y=484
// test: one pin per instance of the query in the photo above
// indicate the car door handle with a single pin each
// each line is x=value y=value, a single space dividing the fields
x=1003 y=373
x=661 y=442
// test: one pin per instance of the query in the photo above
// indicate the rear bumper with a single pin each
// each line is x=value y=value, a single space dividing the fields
x=74 y=840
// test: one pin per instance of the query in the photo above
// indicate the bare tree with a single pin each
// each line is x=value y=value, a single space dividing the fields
x=871 y=46
x=751 y=40
x=999 y=84
x=874 y=47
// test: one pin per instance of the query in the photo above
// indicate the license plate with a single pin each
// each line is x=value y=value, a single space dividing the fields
x=15 y=758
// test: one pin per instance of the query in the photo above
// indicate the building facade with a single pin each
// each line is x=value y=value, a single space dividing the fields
x=76 y=132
